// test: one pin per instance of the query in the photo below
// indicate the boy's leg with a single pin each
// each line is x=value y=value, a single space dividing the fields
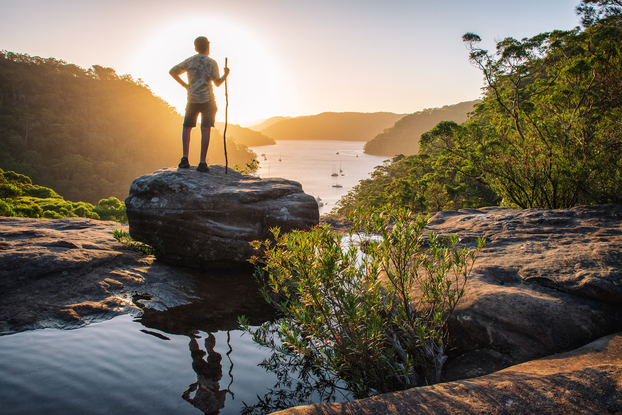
x=205 y=136
x=185 y=141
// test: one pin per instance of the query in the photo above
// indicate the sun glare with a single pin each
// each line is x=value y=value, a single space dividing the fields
x=257 y=83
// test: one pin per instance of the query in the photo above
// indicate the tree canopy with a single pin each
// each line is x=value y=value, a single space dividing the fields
x=549 y=131
x=20 y=197
x=547 y=134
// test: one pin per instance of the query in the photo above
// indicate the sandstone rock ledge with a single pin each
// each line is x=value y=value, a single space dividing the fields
x=69 y=272
x=548 y=286
x=66 y=273
x=205 y=219
x=584 y=381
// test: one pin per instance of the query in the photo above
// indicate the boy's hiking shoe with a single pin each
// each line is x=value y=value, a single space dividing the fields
x=183 y=164
x=202 y=167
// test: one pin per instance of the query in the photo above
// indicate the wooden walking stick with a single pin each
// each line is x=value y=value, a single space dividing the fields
x=224 y=134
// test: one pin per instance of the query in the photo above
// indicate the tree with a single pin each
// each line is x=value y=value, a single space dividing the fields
x=600 y=11
x=548 y=132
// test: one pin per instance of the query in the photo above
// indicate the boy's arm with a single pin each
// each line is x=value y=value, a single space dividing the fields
x=175 y=74
x=219 y=81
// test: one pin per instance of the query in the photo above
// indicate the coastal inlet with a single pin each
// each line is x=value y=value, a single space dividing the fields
x=312 y=163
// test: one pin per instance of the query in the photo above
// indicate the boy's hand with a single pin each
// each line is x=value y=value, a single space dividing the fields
x=226 y=71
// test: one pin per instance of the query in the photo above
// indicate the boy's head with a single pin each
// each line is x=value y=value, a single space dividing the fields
x=201 y=44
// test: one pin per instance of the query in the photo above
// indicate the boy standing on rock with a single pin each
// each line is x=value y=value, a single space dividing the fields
x=202 y=71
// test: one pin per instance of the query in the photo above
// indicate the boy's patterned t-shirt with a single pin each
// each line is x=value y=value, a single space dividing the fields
x=201 y=70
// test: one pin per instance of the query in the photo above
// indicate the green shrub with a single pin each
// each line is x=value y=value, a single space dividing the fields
x=26 y=209
x=6 y=209
x=111 y=209
x=111 y=202
x=124 y=238
x=40 y=192
x=50 y=214
x=11 y=176
x=24 y=199
x=376 y=320
x=8 y=190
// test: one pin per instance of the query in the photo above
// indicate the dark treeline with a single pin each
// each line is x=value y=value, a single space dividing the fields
x=88 y=133
x=548 y=133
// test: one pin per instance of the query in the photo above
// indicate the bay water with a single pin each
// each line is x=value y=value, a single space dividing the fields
x=313 y=163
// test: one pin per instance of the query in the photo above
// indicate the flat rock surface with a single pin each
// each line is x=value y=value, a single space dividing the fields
x=548 y=281
x=69 y=272
x=200 y=219
x=584 y=381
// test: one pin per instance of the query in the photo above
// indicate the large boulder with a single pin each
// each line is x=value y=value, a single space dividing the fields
x=208 y=219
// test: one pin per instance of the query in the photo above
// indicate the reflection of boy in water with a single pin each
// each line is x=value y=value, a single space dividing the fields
x=208 y=398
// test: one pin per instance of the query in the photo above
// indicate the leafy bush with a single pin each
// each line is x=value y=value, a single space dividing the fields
x=111 y=209
x=432 y=181
x=377 y=319
x=9 y=190
x=6 y=209
x=40 y=192
x=15 y=177
x=248 y=168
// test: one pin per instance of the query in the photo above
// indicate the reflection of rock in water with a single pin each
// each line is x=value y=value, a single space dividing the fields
x=207 y=394
x=219 y=297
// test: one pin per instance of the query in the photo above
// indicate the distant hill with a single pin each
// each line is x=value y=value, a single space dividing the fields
x=267 y=123
x=245 y=136
x=403 y=137
x=344 y=126
x=88 y=134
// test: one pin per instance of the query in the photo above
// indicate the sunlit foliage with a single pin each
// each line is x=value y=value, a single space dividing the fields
x=549 y=132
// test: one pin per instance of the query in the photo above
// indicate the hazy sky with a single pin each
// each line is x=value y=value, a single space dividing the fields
x=287 y=57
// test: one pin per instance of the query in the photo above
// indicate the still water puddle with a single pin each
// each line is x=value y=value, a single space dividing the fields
x=186 y=360
x=119 y=367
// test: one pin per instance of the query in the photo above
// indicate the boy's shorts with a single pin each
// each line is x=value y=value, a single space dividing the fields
x=208 y=114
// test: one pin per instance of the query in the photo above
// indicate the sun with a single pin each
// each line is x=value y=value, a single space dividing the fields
x=257 y=86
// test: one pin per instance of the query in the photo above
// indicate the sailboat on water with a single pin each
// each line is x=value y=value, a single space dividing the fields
x=334 y=173
x=337 y=184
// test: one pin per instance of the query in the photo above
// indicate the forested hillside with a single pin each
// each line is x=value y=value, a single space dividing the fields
x=267 y=123
x=403 y=137
x=88 y=133
x=344 y=126
x=245 y=136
